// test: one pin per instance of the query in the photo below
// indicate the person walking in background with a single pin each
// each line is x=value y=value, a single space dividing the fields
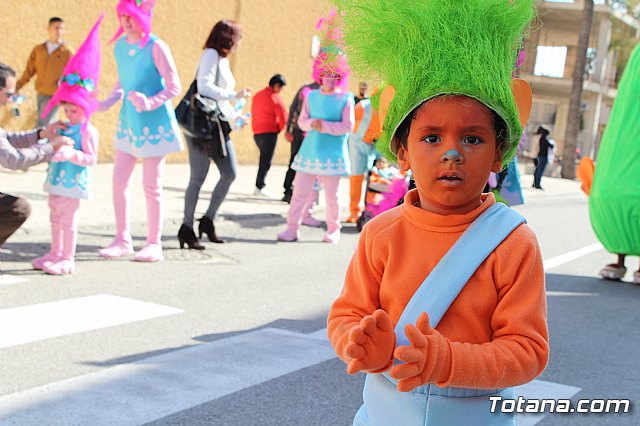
x=147 y=126
x=295 y=135
x=267 y=120
x=214 y=80
x=362 y=92
x=68 y=177
x=362 y=149
x=46 y=62
x=546 y=151
x=327 y=115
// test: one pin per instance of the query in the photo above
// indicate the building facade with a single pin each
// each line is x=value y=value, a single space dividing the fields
x=551 y=47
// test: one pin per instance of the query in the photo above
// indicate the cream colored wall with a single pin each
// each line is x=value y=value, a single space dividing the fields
x=277 y=39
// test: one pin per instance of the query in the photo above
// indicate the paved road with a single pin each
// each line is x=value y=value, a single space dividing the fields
x=235 y=335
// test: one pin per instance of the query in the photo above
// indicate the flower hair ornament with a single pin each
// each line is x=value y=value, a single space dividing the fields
x=141 y=11
x=428 y=48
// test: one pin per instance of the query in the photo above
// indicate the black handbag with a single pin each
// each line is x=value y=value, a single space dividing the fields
x=200 y=118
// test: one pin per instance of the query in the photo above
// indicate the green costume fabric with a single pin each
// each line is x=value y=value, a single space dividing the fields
x=434 y=47
x=614 y=202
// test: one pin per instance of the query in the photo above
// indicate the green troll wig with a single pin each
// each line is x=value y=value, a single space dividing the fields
x=427 y=48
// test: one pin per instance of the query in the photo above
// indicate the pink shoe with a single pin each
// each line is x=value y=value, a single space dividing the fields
x=60 y=267
x=311 y=221
x=332 y=237
x=288 y=236
x=40 y=262
x=150 y=253
x=116 y=249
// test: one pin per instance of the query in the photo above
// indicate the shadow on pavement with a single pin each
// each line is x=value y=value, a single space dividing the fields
x=299 y=326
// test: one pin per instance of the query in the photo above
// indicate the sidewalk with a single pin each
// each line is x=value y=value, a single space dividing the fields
x=240 y=201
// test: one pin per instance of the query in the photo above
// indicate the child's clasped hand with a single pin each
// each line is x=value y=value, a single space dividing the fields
x=371 y=344
x=140 y=101
x=428 y=349
x=372 y=348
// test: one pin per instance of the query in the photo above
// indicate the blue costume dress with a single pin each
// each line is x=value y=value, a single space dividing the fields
x=68 y=179
x=147 y=133
x=322 y=153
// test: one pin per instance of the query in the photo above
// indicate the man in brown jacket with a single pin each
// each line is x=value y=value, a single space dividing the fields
x=47 y=61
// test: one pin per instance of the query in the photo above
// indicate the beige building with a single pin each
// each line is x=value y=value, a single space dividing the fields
x=277 y=39
x=550 y=58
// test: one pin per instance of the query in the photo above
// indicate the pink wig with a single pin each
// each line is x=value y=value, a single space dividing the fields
x=331 y=60
x=79 y=82
x=141 y=11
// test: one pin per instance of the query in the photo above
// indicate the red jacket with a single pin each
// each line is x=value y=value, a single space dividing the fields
x=268 y=114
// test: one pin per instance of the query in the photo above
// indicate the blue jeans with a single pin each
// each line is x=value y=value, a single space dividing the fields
x=199 y=163
x=537 y=175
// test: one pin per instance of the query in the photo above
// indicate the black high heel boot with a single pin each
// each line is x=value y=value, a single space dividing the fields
x=206 y=227
x=186 y=235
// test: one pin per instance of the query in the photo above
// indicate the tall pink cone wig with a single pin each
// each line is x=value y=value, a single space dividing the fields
x=331 y=59
x=141 y=11
x=79 y=81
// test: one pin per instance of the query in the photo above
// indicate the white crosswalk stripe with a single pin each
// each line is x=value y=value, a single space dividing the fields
x=156 y=387
x=54 y=319
x=6 y=279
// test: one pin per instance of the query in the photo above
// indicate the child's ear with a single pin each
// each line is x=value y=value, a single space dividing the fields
x=496 y=167
x=403 y=158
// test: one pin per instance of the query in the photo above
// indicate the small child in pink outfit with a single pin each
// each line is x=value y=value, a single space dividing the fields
x=68 y=179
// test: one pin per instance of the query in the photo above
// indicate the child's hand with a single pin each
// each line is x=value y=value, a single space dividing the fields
x=64 y=153
x=317 y=125
x=421 y=357
x=61 y=141
x=139 y=101
x=371 y=344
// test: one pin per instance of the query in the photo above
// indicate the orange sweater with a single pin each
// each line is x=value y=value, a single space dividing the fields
x=495 y=331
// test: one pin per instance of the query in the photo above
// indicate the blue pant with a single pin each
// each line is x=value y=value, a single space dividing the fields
x=537 y=175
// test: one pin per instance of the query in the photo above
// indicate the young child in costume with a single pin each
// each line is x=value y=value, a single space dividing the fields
x=147 y=127
x=68 y=179
x=436 y=349
x=614 y=202
x=362 y=150
x=327 y=116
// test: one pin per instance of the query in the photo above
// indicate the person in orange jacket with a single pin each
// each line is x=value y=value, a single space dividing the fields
x=441 y=363
x=362 y=150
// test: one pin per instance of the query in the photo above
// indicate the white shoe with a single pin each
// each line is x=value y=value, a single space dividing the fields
x=263 y=193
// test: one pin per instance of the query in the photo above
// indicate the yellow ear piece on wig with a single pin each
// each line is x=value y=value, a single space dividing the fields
x=387 y=95
x=524 y=97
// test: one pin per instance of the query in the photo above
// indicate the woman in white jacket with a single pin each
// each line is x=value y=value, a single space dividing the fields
x=214 y=80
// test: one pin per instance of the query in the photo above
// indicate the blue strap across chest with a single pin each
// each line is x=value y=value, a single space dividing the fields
x=450 y=275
